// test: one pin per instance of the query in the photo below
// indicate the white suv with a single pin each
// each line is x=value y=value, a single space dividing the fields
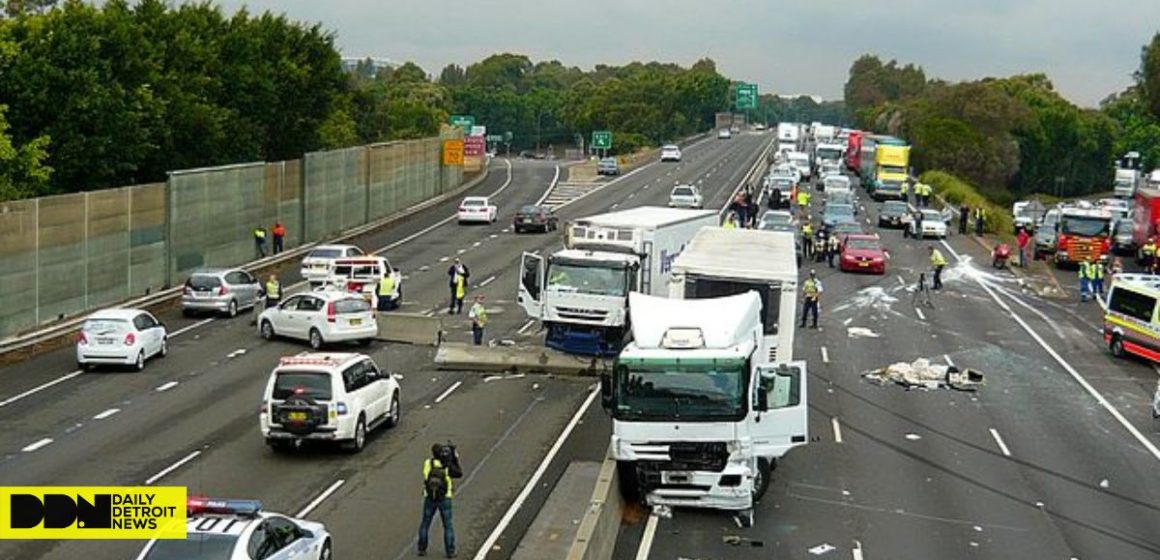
x=316 y=265
x=320 y=318
x=335 y=398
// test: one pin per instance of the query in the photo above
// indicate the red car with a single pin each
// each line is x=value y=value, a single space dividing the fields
x=861 y=252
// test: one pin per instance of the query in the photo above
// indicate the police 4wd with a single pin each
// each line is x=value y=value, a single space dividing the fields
x=240 y=530
x=329 y=397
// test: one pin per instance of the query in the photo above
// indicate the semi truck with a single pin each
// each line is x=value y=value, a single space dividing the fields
x=892 y=164
x=788 y=137
x=854 y=151
x=706 y=398
x=580 y=293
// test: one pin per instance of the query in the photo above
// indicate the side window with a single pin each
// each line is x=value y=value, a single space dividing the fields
x=264 y=542
x=139 y=322
x=354 y=377
x=1133 y=304
x=371 y=370
x=782 y=387
x=235 y=278
x=283 y=531
x=292 y=303
x=145 y=321
x=309 y=304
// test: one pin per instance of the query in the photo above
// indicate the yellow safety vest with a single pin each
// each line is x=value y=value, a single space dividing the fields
x=478 y=313
x=1149 y=249
x=810 y=289
x=1084 y=273
x=435 y=463
x=905 y=188
x=273 y=290
x=460 y=286
x=729 y=224
x=807 y=229
x=260 y=233
x=803 y=198
x=386 y=286
x=1096 y=271
x=937 y=259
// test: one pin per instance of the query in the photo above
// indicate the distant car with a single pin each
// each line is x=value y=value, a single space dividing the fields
x=670 y=152
x=1123 y=241
x=362 y=275
x=776 y=217
x=1045 y=233
x=846 y=228
x=532 y=217
x=833 y=214
x=219 y=529
x=836 y=182
x=327 y=397
x=933 y=225
x=724 y=134
x=686 y=196
x=894 y=213
x=843 y=197
x=862 y=253
x=219 y=290
x=321 y=318
x=477 y=209
x=759 y=126
x=735 y=130
x=316 y=264
x=784 y=187
x=124 y=337
x=608 y=166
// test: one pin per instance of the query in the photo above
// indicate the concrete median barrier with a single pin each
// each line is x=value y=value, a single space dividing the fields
x=516 y=359
x=410 y=328
x=596 y=537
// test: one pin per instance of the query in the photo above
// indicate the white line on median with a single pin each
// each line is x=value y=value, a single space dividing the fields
x=39 y=388
x=650 y=531
x=321 y=497
x=901 y=281
x=166 y=386
x=919 y=313
x=999 y=440
x=489 y=280
x=449 y=390
x=188 y=328
x=857 y=551
x=106 y=414
x=33 y=447
x=825 y=356
x=947 y=358
x=172 y=468
x=837 y=429
x=535 y=478
x=524 y=329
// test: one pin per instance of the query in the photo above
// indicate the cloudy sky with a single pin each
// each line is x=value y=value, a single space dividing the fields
x=1088 y=48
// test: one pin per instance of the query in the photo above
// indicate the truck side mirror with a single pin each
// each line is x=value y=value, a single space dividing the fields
x=762 y=400
x=606 y=394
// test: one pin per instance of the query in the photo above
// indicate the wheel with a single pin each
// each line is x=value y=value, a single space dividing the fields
x=232 y=309
x=324 y=554
x=164 y=351
x=360 y=436
x=627 y=480
x=518 y=230
x=267 y=330
x=140 y=363
x=1117 y=346
x=761 y=478
x=84 y=367
x=394 y=415
x=315 y=339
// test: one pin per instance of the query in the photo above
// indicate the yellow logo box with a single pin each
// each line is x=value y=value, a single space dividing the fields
x=92 y=512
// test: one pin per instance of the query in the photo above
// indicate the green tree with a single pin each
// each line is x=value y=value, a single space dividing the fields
x=23 y=173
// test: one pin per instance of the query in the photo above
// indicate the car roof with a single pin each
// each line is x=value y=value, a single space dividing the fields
x=331 y=293
x=483 y=198
x=866 y=236
x=335 y=247
x=320 y=360
x=116 y=313
x=212 y=271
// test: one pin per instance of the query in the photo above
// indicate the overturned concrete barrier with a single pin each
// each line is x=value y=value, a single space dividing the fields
x=411 y=328
x=516 y=359
x=596 y=537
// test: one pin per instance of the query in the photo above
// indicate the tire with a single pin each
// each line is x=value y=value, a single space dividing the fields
x=629 y=485
x=140 y=363
x=518 y=230
x=267 y=330
x=1116 y=346
x=325 y=553
x=761 y=479
x=164 y=351
x=232 y=309
x=395 y=413
x=360 y=436
x=316 y=341
x=84 y=367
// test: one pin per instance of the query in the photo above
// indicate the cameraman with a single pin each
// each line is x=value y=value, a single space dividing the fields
x=438 y=470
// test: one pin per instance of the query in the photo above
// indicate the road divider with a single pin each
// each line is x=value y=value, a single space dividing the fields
x=457 y=356
x=410 y=328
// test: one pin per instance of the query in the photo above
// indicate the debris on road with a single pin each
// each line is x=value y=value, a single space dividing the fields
x=913 y=437
x=736 y=540
x=823 y=548
x=925 y=375
x=860 y=332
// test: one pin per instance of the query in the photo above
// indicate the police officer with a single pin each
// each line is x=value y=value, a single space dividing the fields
x=259 y=242
x=904 y=188
x=457 y=276
x=273 y=292
x=964 y=214
x=1097 y=277
x=833 y=245
x=386 y=290
x=438 y=490
x=938 y=262
x=811 y=295
x=980 y=219
x=807 y=238
x=478 y=316
x=1149 y=253
x=1085 y=279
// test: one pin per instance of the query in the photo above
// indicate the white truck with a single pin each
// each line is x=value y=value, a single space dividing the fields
x=580 y=293
x=1126 y=182
x=788 y=137
x=706 y=398
x=801 y=161
x=824 y=132
x=829 y=150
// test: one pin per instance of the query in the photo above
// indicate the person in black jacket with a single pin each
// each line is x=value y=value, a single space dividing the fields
x=457 y=277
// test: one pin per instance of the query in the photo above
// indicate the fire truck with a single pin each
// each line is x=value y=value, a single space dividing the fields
x=1083 y=233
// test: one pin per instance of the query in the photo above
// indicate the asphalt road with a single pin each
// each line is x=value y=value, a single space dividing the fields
x=1054 y=457
x=191 y=418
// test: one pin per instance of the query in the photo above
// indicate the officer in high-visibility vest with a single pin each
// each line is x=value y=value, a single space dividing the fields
x=807 y=238
x=811 y=295
x=1085 y=279
x=386 y=290
x=259 y=242
x=273 y=292
x=833 y=246
x=980 y=218
x=938 y=262
x=1096 y=270
x=1148 y=251
x=904 y=188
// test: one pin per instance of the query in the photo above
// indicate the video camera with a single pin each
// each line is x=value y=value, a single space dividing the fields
x=449 y=456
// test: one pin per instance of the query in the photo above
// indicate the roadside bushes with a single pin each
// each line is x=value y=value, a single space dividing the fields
x=957 y=192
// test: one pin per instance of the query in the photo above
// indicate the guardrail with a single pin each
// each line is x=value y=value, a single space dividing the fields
x=67 y=327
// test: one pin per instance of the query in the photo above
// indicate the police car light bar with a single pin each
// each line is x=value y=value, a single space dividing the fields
x=307 y=361
x=201 y=505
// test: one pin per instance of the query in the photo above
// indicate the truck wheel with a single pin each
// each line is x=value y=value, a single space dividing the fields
x=1117 y=346
x=628 y=482
x=761 y=479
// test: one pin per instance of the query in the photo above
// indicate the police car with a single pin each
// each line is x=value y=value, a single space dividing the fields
x=240 y=530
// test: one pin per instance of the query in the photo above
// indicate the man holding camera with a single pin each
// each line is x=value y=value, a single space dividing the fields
x=438 y=470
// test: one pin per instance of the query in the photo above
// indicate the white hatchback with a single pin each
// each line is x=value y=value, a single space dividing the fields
x=670 y=152
x=685 y=196
x=320 y=318
x=316 y=265
x=477 y=209
x=125 y=337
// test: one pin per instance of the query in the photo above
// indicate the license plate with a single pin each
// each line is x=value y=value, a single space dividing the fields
x=863 y=264
x=297 y=416
x=106 y=340
x=355 y=322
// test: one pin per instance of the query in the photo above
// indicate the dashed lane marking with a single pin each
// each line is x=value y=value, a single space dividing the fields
x=166 y=386
x=825 y=356
x=448 y=392
x=650 y=531
x=999 y=441
x=320 y=498
x=921 y=316
x=106 y=414
x=837 y=429
x=180 y=463
x=37 y=445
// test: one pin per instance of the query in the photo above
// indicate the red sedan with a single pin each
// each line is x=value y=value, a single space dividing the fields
x=862 y=253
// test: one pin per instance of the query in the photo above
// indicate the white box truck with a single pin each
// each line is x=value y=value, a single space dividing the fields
x=1126 y=182
x=788 y=137
x=580 y=293
x=698 y=414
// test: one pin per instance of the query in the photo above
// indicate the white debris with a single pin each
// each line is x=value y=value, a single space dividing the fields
x=860 y=332
x=662 y=511
x=978 y=529
x=913 y=437
x=923 y=374
x=1104 y=483
x=874 y=297
x=821 y=549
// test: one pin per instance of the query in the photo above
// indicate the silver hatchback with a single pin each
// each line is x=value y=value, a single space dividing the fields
x=219 y=290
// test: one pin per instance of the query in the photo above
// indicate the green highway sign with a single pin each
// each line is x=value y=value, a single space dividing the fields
x=602 y=139
x=495 y=138
x=463 y=121
x=746 y=96
x=507 y=136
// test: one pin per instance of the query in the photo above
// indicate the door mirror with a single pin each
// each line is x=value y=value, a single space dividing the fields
x=606 y=392
x=762 y=400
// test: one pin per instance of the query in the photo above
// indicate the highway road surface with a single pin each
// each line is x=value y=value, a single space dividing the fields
x=191 y=418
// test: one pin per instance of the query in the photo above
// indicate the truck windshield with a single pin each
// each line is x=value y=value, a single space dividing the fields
x=1084 y=226
x=588 y=279
x=829 y=153
x=892 y=170
x=685 y=389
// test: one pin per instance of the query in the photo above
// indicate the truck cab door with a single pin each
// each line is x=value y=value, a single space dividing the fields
x=531 y=288
x=646 y=269
x=781 y=408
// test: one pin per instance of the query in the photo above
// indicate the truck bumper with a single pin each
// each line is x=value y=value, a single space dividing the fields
x=584 y=340
x=730 y=489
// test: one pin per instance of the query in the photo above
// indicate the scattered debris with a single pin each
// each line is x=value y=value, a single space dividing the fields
x=507 y=342
x=913 y=437
x=662 y=511
x=923 y=374
x=1104 y=483
x=861 y=332
x=823 y=548
x=735 y=540
x=978 y=529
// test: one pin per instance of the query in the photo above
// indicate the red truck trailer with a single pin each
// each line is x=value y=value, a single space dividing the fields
x=1145 y=215
x=854 y=151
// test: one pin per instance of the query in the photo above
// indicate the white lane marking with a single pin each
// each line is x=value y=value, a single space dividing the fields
x=166 y=386
x=999 y=440
x=920 y=315
x=477 y=244
x=614 y=206
x=320 y=498
x=857 y=550
x=837 y=429
x=631 y=196
x=947 y=358
x=106 y=414
x=524 y=329
x=188 y=328
x=901 y=281
x=444 y=259
x=552 y=185
x=449 y=390
x=650 y=531
x=887 y=253
x=1103 y=304
x=460 y=251
x=39 y=388
x=34 y=446
x=489 y=280
x=825 y=356
x=1144 y=441
x=534 y=481
x=172 y=468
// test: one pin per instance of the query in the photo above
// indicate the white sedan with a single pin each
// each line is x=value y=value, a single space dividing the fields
x=125 y=337
x=933 y=225
x=685 y=196
x=477 y=209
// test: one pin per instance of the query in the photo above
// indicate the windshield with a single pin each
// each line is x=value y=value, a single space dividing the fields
x=357 y=271
x=313 y=384
x=530 y=210
x=353 y=305
x=1124 y=225
x=1084 y=226
x=839 y=198
x=105 y=326
x=775 y=217
x=570 y=277
x=670 y=148
x=932 y=215
x=682 y=191
x=196 y=546
x=326 y=253
x=778 y=226
x=474 y=202
x=829 y=153
x=847 y=228
x=894 y=208
x=688 y=389
x=893 y=170
x=862 y=244
x=839 y=210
